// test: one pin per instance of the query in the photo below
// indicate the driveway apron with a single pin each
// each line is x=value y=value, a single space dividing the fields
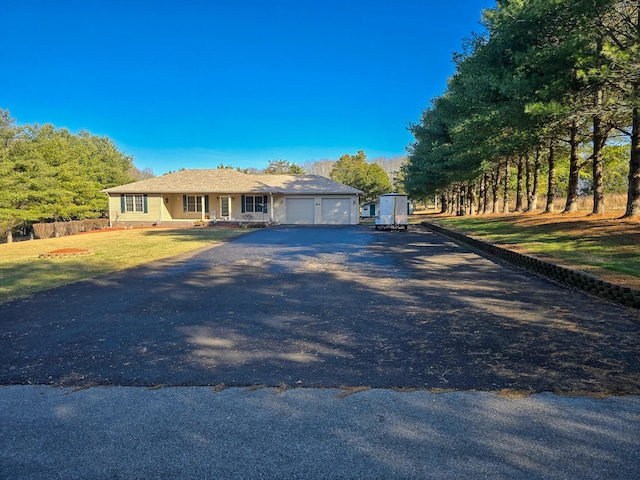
x=323 y=307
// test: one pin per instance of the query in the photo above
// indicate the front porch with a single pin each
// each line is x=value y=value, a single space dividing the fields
x=216 y=223
x=239 y=208
x=187 y=210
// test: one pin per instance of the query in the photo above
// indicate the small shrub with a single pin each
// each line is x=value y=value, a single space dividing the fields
x=100 y=223
x=75 y=226
x=43 y=230
x=59 y=229
x=95 y=224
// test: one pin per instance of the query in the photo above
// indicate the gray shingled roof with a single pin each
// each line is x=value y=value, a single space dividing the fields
x=306 y=184
x=226 y=180
x=219 y=180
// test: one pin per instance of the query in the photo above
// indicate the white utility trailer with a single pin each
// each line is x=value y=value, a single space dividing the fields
x=393 y=212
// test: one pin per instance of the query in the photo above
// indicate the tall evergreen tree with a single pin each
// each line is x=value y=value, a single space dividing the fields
x=355 y=171
x=50 y=174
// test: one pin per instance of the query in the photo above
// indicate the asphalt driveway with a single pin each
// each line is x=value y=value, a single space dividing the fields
x=323 y=307
x=221 y=337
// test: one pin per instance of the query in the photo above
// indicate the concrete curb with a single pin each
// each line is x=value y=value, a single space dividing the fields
x=574 y=278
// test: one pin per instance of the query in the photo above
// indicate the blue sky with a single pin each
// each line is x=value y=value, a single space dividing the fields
x=192 y=84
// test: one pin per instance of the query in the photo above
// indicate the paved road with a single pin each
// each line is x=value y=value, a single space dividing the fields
x=195 y=433
x=319 y=307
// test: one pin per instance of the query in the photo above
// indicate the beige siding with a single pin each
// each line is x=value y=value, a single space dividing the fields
x=174 y=207
x=163 y=208
x=154 y=213
x=279 y=210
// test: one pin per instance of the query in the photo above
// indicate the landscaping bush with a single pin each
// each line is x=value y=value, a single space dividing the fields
x=100 y=223
x=46 y=230
x=75 y=226
x=59 y=229
x=90 y=224
x=43 y=230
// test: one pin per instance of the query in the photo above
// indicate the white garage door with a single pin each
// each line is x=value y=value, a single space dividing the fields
x=336 y=211
x=300 y=211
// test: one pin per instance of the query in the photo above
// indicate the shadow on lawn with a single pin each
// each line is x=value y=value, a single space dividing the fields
x=198 y=233
x=31 y=276
x=324 y=308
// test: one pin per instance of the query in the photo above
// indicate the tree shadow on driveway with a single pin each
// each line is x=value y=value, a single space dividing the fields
x=324 y=307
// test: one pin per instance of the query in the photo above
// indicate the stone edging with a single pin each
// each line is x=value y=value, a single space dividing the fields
x=574 y=278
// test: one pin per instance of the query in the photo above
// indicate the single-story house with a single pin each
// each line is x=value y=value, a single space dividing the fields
x=224 y=194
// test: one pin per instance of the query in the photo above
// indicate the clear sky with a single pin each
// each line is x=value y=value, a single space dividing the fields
x=195 y=83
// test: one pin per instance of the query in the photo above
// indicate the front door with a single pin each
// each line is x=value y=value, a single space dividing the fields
x=224 y=207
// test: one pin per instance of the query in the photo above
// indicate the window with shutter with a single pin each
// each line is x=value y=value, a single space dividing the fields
x=133 y=203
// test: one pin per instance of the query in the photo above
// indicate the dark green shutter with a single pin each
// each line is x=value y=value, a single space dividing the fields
x=122 y=205
x=184 y=203
x=206 y=203
x=264 y=204
x=242 y=203
x=145 y=208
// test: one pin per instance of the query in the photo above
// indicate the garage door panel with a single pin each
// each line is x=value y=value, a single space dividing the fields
x=336 y=211
x=300 y=211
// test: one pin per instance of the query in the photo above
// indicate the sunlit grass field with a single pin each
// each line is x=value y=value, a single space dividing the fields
x=604 y=246
x=23 y=271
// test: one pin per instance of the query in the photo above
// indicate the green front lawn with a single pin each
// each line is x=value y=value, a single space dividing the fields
x=23 y=272
x=604 y=246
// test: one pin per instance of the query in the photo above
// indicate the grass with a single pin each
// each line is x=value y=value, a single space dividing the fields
x=604 y=246
x=23 y=272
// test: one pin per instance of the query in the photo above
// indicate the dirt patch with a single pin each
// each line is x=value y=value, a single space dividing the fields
x=67 y=252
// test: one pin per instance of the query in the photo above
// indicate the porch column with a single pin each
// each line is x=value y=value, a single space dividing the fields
x=271 y=209
x=109 y=200
x=230 y=216
x=202 y=212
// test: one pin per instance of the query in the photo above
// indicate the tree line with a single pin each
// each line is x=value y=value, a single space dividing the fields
x=50 y=174
x=549 y=81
